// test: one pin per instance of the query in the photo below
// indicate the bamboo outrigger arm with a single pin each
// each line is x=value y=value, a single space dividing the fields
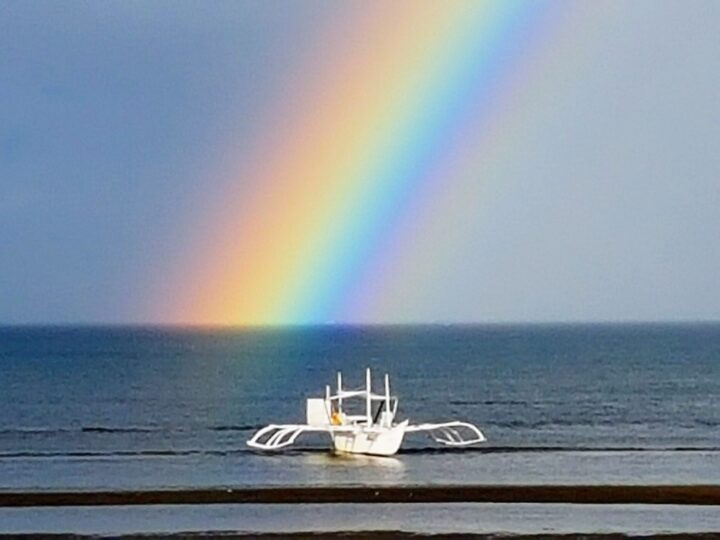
x=450 y=433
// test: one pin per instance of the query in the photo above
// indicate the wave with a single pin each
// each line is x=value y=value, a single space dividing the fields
x=515 y=423
x=103 y=429
x=43 y=431
x=556 y=449
x=28 y=454
x=246 y=427
x=488 y=402
x=31 y=431
x=596 y=422
x=118 y=453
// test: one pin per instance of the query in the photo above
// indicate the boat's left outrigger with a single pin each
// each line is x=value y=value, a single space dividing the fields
x=363 y=432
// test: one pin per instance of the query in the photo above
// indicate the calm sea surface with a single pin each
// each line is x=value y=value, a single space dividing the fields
x=132 y=408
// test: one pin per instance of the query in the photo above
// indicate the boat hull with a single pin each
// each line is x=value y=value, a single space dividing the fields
x=373 y=442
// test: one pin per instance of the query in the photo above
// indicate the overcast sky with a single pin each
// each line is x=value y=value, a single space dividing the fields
x=112 y=114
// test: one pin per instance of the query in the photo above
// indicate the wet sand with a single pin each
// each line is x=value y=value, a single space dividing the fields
x=567 y=494
x=368 y=535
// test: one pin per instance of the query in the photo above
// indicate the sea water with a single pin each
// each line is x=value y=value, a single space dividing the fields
x=148 y=407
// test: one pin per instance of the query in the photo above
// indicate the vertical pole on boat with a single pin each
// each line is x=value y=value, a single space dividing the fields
x=329 y=408
x=368 y=402
x=328 y=403
x=339 y=379
x=387 y=397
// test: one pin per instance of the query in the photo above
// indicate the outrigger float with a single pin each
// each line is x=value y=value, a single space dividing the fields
x=369 y=433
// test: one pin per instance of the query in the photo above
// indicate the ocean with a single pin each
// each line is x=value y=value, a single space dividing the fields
x=133 y=408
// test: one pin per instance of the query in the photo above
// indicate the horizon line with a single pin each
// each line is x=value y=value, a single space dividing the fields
x=349 y=324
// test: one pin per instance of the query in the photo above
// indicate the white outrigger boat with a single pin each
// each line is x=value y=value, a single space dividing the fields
x=375 y=434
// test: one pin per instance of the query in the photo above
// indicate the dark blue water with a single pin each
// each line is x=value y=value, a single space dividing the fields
x=163 y=407
x=124 y=408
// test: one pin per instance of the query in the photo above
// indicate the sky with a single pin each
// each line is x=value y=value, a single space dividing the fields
x=575 y=171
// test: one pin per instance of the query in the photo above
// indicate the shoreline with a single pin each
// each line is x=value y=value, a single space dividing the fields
x=700 y=495
x=364 y=535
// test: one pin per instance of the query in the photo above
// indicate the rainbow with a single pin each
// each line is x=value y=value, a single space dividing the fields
x=377 y=121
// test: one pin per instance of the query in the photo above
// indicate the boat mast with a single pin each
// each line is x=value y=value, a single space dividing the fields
x=387 y=397
x=339 y=391
x=368 y=402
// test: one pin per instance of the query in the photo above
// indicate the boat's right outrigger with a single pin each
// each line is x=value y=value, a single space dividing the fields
x=362 y=433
